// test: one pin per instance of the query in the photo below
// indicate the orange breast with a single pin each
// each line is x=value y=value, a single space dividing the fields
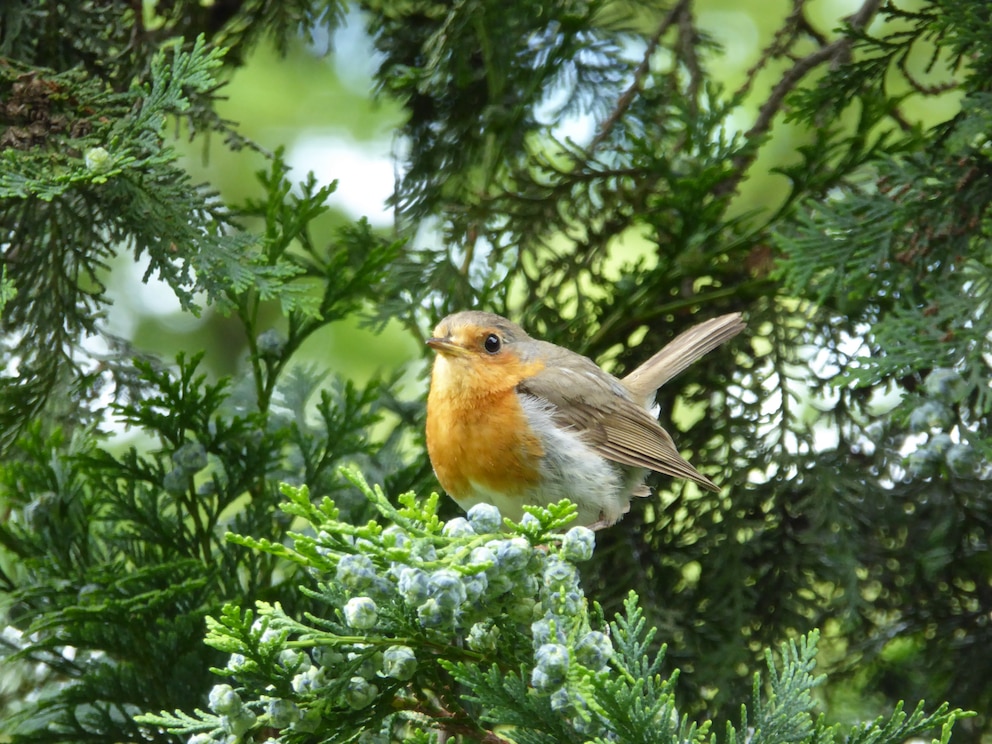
x=477 y=433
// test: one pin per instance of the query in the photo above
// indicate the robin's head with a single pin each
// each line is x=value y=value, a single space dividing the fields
x=477 y=349
x=474 y=333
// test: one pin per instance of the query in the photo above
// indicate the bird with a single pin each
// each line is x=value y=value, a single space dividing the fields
x=513 y=420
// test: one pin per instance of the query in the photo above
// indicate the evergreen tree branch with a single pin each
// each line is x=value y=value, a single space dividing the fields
x=834 y=51
x=672 y=17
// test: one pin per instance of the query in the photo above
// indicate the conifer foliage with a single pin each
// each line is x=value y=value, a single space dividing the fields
x=233 y=577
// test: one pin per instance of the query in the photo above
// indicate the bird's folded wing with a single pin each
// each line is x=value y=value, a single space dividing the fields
x=582 y=398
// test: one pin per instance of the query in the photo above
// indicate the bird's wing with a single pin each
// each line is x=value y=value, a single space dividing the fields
x=585 y=399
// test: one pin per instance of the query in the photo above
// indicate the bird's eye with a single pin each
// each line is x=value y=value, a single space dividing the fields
x=492 y=343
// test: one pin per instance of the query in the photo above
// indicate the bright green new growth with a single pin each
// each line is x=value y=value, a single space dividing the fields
x=369 y=663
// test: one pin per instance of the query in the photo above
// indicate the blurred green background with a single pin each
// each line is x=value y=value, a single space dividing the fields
x=319 y=103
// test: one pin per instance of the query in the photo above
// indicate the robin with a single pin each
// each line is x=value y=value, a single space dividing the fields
x=512 y=420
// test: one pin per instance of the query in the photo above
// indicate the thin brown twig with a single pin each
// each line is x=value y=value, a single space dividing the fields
x=448 y=727
x=623 y=103
x=687 y=46
x=773 y=103
x=926 y=90
x=807 y=28
x=779 y=46
x=833 y=51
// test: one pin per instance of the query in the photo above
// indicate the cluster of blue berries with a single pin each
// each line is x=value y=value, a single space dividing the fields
x=469 y=580
x=560 y=635
x=399 y=592
x=935 y=418
x=188 y=460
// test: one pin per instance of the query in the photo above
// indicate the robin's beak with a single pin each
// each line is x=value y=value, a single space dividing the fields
x=447 y=347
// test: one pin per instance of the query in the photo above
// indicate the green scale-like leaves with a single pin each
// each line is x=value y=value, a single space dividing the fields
x=333 y=672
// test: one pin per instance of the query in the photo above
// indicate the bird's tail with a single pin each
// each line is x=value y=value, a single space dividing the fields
x=681 y=352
